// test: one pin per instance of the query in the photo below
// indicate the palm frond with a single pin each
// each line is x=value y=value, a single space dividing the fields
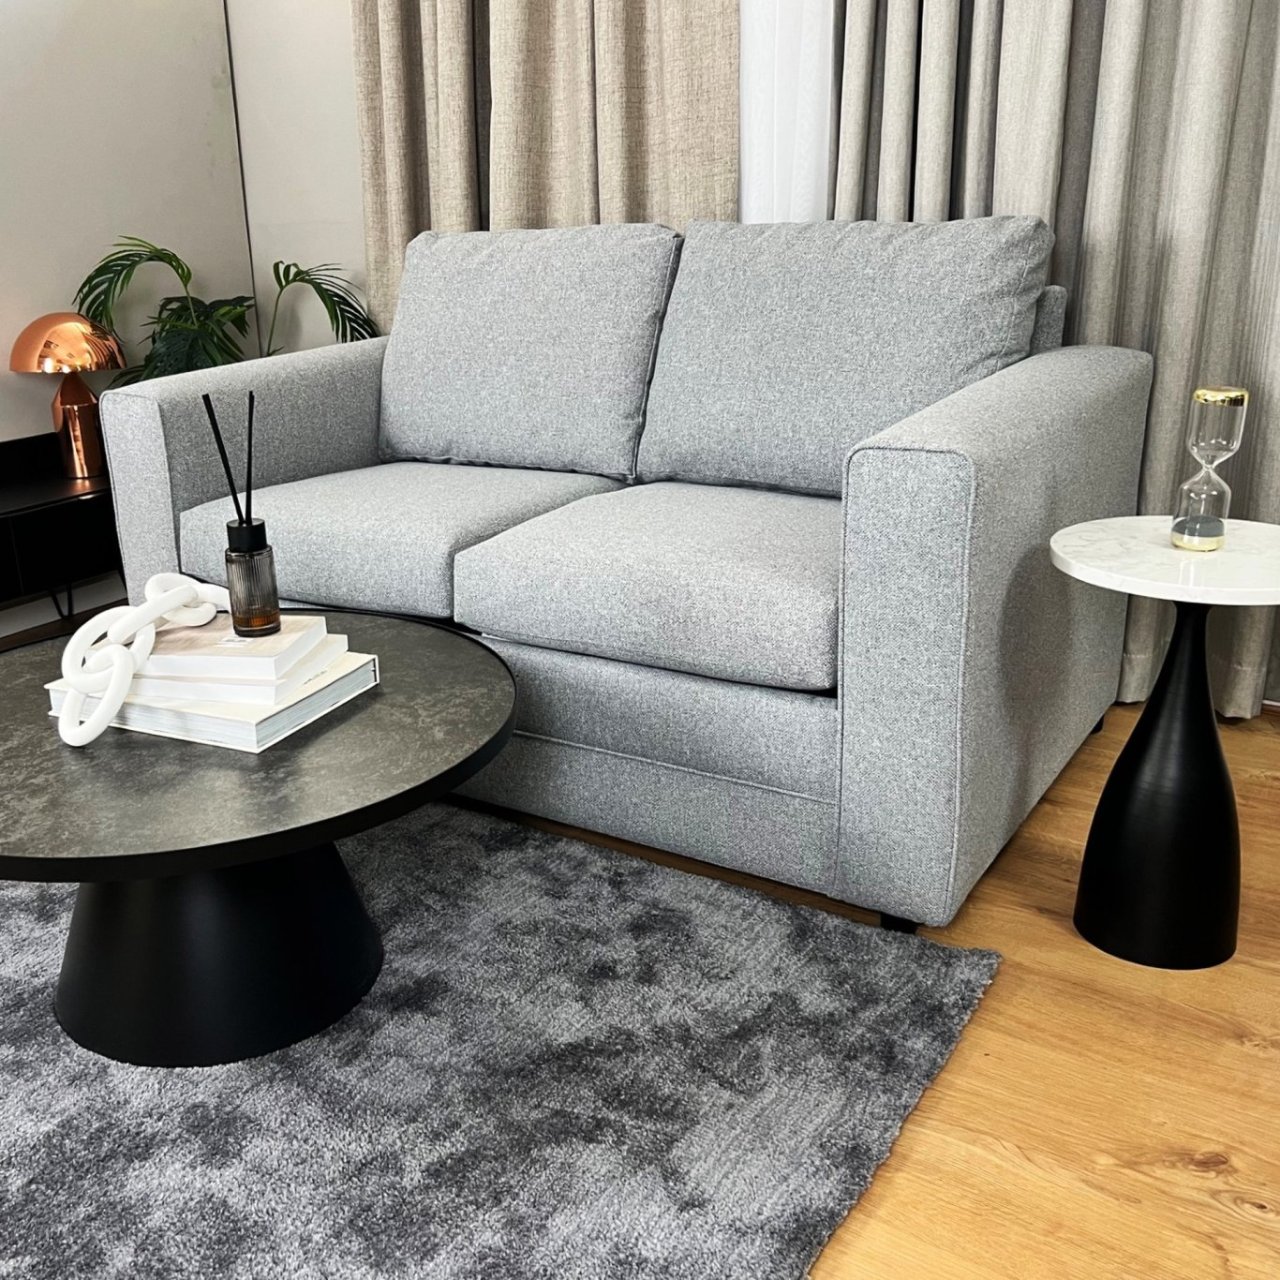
x=100 y=290
x=348 y=319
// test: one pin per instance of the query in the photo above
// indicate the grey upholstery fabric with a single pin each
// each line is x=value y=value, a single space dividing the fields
x=384 y=537
x=316 y=411
x=766 y=833
x=1051 y=320
x=785 y=345
x=734 y=583
x=527 y=348
x=971 y=669
x=735 y=774
x=775 y=739
x=968 y=669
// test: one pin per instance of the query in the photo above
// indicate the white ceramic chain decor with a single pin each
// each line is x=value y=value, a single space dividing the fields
x=105 y=672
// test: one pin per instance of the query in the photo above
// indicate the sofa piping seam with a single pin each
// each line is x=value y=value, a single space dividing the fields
x=961 y=684
x=562 y=645
x=679 y=768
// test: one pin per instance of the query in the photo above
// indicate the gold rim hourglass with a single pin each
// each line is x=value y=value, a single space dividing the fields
x=1214 y=431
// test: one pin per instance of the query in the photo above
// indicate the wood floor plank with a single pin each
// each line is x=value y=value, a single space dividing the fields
x=1099 y=1120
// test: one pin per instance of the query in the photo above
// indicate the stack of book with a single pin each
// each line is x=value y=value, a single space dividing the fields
x=207 y=684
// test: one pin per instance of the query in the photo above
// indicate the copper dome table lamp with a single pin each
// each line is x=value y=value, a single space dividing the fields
x=70 y=344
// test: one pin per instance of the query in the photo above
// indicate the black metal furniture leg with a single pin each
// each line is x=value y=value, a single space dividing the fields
x=1160 y=883
x=215 y=966
x=897 y=924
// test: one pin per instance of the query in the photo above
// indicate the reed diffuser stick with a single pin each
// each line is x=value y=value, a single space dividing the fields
x=248 y=469
x=222 y=453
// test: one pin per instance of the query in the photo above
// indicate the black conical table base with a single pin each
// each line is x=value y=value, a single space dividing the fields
x=214 y=966
x=1160 y=884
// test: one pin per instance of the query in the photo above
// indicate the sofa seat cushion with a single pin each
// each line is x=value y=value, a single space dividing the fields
x=741 y=584
x=526 y=348
x=786 y=345
x=382 y=537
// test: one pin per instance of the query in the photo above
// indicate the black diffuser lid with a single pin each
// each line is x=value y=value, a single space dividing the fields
x=247 y=537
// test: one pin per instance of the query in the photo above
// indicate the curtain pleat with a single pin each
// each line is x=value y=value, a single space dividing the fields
x=661 y=92
x=853 y=145
x=897 y=122
x=1031 y=96
x=935 y=123
x=391 y=114
x=531 y=113
x=450 y=104
x=979 y=64
x=542 y=134
x=1147 y=134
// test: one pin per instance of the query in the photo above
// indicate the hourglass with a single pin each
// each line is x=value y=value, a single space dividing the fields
x=1214 y=432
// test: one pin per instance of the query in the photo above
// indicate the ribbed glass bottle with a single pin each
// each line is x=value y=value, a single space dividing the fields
x=251 y=580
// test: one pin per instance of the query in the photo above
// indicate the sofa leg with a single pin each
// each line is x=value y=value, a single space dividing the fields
x=1097 y=728
x=897 y=924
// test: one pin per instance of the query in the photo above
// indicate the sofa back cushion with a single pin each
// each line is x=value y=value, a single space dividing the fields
x=785 y=345
x=526 y=348
x=1051 y=320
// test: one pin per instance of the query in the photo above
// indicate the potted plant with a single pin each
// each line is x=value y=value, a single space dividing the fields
x=188 y=332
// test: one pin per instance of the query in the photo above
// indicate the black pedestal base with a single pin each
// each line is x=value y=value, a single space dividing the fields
x=215 y=966
x=1160 y=884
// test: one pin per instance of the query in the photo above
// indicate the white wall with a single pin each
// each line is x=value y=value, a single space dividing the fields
x=117 y=119
x=296 y=97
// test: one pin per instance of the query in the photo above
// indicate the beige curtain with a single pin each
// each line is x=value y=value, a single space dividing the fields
x=530 y=113
x=1147 y=133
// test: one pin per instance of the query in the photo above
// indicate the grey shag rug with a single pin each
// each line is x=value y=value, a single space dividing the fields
x=576 y=1065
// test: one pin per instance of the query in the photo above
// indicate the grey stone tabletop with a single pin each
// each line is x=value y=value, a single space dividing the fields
x=132 y=805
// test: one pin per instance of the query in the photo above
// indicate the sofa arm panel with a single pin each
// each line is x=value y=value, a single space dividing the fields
x=316 y=412
x=971 y=670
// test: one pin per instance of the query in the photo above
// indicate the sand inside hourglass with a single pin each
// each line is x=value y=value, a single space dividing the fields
x=1214 y=431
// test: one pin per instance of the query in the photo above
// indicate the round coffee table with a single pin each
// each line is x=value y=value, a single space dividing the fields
x=1160 y=882
x=215 y=919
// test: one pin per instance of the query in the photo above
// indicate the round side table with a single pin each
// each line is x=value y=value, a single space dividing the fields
x=1160 y=882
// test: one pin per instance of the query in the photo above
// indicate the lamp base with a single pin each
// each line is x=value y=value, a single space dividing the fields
x=75 y=422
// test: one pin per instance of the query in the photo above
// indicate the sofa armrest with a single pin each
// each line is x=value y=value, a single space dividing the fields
x=315 y=412
x=970 y=669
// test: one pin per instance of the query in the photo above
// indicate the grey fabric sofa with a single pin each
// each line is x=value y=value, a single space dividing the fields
x=758 y=516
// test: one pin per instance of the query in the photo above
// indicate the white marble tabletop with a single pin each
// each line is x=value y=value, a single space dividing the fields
x=1134 y=554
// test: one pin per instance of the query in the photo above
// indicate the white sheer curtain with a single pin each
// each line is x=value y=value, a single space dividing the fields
x=788 y=95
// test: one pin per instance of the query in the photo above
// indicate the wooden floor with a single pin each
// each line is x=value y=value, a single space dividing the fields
x=1099 y=1120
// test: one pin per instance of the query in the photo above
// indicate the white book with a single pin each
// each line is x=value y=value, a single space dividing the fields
x=262 y=693
x=241 y=726
x=214 y=651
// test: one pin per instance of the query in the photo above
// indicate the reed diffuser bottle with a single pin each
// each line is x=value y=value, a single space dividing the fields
x=251 y=564
x=251 y=579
